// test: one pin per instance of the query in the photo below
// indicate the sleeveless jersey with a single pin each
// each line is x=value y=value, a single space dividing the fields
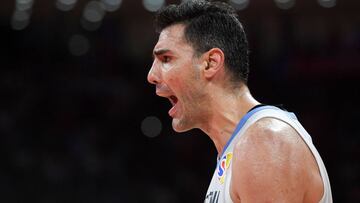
x=219 y=188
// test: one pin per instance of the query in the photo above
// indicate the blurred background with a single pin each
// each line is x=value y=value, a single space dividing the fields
x=79 y=123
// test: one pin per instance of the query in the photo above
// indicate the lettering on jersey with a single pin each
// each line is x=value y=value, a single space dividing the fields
x=212 y=197
x=223 y=166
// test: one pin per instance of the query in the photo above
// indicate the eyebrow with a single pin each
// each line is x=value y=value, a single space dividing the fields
x=160 y=52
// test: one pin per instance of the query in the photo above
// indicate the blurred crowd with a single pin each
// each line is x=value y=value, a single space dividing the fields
x=74 y=101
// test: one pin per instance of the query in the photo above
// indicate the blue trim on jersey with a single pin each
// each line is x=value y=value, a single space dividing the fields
x=242 y=123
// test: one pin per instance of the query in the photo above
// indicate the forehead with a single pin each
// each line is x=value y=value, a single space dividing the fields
x=172 y=38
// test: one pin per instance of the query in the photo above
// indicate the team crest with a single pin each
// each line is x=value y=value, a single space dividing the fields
x=223 y=166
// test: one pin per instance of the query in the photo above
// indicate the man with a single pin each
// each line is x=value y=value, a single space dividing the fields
x=201 y=66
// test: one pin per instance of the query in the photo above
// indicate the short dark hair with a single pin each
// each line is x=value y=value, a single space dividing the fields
x=210 y=25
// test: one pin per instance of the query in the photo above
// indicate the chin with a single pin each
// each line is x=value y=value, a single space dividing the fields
x=179 y=126
x=178 y=129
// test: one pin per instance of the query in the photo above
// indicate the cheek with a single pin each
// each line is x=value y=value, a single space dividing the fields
x=167 y=67
x=179 y=77
x=177 y=84
x=171 y=74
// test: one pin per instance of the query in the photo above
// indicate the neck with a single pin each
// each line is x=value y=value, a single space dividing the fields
x=227 y=109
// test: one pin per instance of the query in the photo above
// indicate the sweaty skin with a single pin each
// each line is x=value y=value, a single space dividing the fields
x=175 y=72
x=271 y=162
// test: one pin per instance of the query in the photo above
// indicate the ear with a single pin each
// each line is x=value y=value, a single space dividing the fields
x=213 y=62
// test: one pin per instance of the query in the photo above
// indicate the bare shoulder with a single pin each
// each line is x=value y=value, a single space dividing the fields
x=273 y=164
x=269 y=135
x=268 y=131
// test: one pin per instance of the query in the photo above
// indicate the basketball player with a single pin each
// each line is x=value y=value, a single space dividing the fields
x=201 y=65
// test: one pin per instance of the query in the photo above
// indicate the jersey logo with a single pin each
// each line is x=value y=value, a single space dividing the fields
x=223 y=166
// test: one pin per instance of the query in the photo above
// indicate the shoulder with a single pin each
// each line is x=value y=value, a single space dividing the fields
x=269 y=142
x=268 y=134
x=269 y=163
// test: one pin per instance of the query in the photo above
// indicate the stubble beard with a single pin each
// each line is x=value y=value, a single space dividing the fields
x=194 y=107
x=194 y=112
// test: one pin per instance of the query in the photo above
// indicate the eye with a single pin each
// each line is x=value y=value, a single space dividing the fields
x=166 y=59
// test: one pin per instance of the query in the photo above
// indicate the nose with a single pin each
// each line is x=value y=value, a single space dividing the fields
x=153 y=75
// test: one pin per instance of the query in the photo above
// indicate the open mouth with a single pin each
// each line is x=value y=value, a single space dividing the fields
x=174 y=100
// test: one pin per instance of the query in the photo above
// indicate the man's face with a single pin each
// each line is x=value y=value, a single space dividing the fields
x=176 y=73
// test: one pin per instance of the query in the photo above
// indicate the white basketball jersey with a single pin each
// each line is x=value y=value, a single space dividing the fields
x=219 y=189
